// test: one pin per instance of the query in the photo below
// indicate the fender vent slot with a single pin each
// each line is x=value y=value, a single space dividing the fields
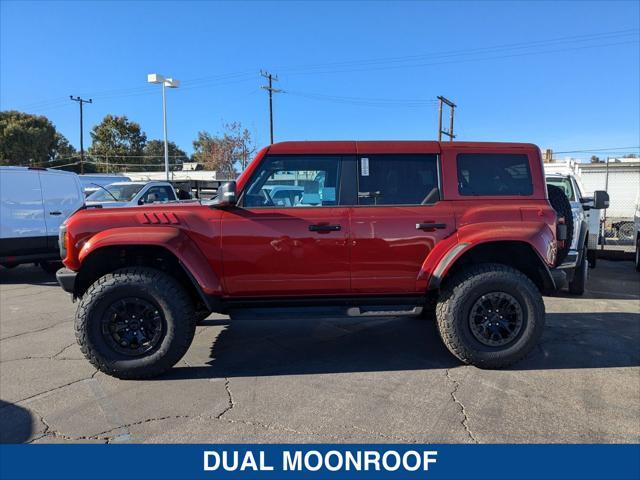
x=159 y=218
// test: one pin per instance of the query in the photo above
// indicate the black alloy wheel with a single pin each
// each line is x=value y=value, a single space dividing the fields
x=133 y=326
x=496 y=319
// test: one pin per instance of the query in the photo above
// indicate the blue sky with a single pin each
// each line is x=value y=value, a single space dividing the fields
x=564 y=75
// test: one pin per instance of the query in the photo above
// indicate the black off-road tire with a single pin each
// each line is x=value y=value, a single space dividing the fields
x=562 y=206
x=464 y=289
x=153 y=286
x=577 y=285
x=638 y=254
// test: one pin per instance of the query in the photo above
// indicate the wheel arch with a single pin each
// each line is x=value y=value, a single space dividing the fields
x=108 y=258
x=518 y=254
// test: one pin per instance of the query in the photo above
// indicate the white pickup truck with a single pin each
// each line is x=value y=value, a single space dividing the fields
x=128 y=194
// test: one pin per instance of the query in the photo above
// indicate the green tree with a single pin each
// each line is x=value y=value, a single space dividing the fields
x=117 y=139
x=26 y=139
x=154 y=155
x=62 y=149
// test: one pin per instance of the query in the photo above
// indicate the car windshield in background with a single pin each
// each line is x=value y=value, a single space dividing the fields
x=113 y=193
x=564 y=184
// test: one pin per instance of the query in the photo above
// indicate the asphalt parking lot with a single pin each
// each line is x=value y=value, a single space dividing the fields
x=285 y=377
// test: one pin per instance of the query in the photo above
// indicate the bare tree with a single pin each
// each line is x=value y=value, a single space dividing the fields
x=224 y=152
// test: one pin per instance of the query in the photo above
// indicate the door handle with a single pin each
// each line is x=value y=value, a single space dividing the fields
x=430 y=225
x=55 y=213
x=324 y=228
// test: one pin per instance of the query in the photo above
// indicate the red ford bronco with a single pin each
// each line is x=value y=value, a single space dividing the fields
x=464 y=230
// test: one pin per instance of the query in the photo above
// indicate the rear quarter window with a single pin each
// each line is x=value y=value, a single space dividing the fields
x=489 y=174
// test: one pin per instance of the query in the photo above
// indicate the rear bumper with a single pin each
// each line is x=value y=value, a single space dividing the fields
x=559 y=278
x=573 y=258
x=67 y=279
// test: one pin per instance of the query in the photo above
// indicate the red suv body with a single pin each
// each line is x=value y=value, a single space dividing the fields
x=307 y=223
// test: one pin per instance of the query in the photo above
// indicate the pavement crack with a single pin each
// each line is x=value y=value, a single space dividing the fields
x=43 y=357
x=39 y=394
x=227 y=387
x=385 y=436
x=465 y=417
x=35 y=331
x=54 y=357
x=105 y=435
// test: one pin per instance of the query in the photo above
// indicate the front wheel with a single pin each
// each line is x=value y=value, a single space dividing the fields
x=490 y=315
x=135 y=323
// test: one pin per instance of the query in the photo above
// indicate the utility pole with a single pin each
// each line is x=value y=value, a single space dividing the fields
x=452 y=107
x=81 y=101
x=271 y=91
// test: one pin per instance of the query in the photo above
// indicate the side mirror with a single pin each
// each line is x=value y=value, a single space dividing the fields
x=141 y=201
x=600 y=199
x=227 y=194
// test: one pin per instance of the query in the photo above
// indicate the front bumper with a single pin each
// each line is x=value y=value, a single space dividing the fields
x=67 y=279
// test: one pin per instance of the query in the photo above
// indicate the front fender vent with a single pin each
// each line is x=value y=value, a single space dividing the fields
x=159 y=218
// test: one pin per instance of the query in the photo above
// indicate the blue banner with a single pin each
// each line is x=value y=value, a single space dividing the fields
x=309 y=461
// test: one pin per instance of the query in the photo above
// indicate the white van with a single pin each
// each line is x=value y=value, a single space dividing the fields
x=33 y=204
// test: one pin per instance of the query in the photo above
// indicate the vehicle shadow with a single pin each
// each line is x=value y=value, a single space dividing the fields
x=26 y=274
x=298 y=346
x=15 y=423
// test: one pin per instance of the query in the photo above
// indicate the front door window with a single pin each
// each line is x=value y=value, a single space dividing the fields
x=294 y=181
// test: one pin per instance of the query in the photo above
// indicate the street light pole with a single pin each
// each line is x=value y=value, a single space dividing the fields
x=164 y=128
x=171 y=83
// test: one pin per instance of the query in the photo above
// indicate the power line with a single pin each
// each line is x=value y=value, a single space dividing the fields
x=383 y=102
x=408 y=61
x=464 y=60
x=471 y=51
x=595 y=150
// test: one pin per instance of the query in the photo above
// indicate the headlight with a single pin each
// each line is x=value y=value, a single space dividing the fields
x=63 y=239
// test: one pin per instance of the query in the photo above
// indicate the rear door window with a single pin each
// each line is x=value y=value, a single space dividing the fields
x=398 y=179
x=493 y=174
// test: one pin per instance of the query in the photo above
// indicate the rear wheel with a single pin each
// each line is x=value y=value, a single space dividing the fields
x=638 y=253
x=135 y=323
x=490 y=315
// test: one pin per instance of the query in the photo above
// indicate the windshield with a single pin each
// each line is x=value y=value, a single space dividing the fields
x=120 y=193
x=564 y=184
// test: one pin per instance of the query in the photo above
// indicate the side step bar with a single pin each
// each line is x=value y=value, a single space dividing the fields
x=384 y=312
